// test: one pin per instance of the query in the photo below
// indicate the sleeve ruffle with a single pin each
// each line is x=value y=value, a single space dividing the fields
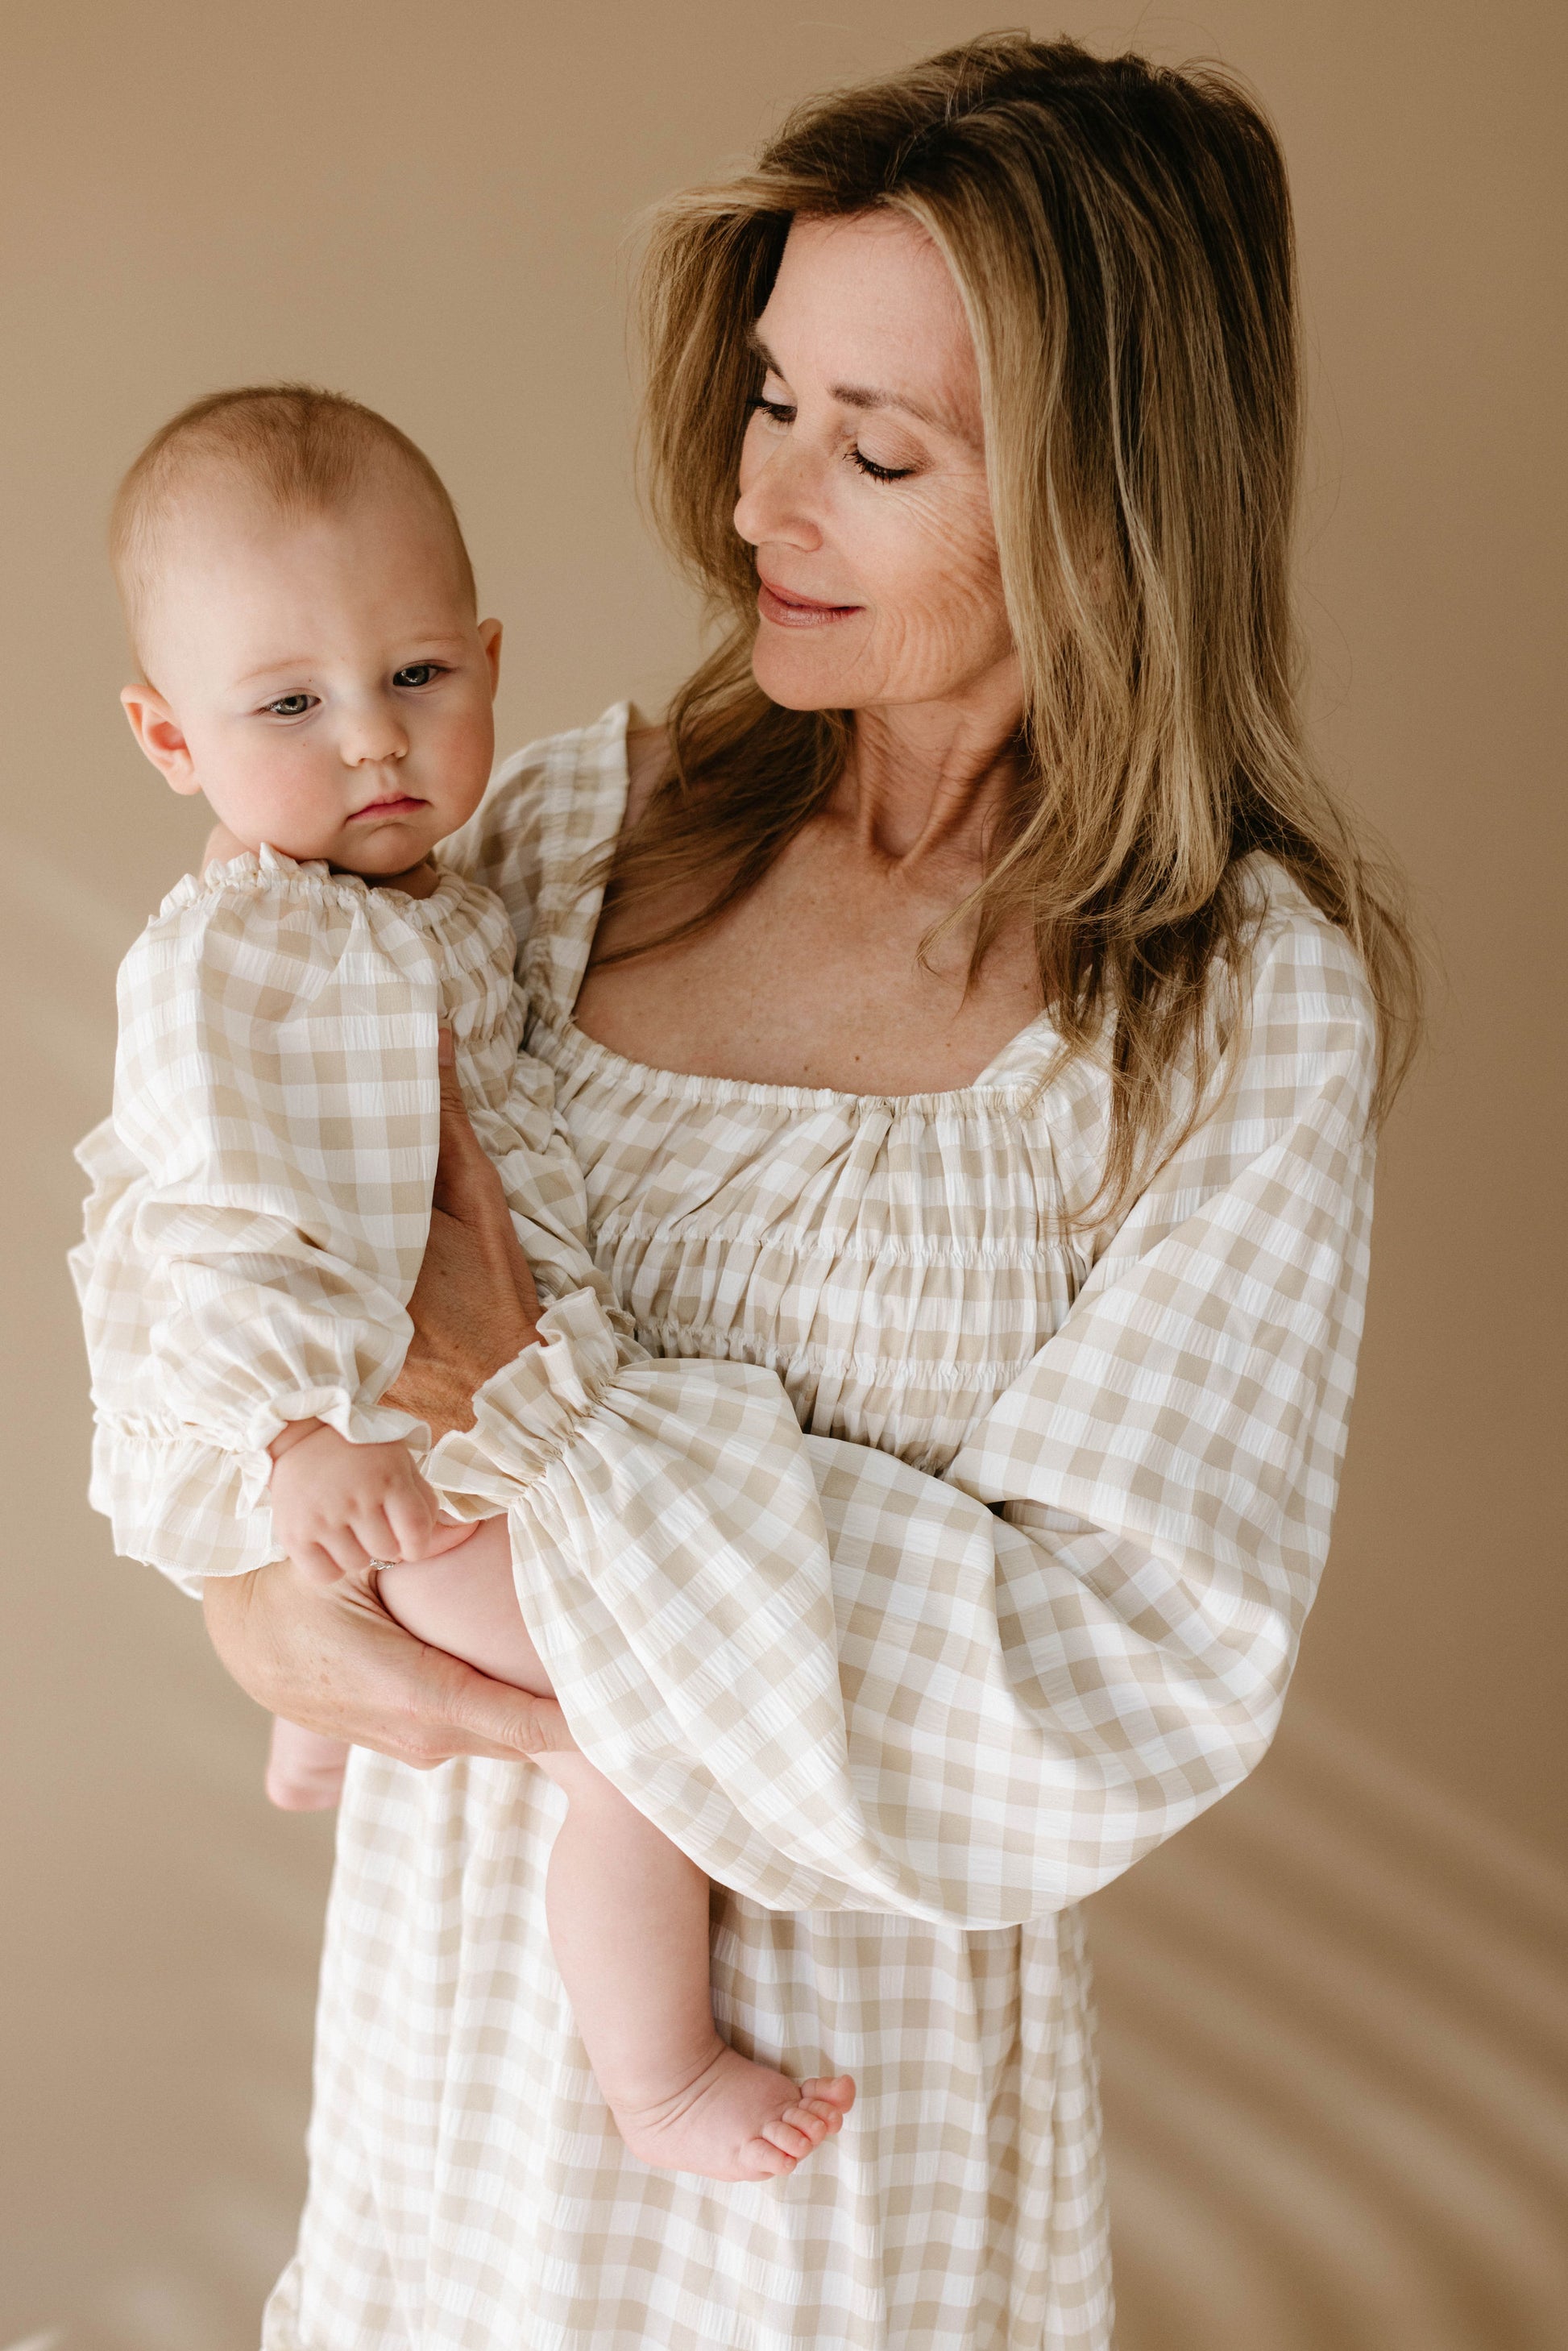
x=527 y=1414
x=181 y=1504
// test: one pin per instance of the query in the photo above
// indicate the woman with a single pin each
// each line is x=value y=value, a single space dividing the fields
x=971 y=1014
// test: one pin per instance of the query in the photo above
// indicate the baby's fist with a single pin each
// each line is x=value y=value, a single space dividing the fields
x=338 y=1507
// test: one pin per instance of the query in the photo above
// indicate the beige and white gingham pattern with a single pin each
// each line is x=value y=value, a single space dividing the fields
x=261 y=1191
x=937 y=1566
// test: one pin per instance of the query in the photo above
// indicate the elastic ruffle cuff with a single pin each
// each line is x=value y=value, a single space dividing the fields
x=528 y=1412
x=183 y=1505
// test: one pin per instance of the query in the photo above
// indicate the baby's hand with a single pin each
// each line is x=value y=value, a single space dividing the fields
x=336 y=1507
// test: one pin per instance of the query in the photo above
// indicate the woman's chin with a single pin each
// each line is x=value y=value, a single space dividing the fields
x=795 y=682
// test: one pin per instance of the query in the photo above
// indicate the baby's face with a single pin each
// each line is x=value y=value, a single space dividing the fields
x=322 y=679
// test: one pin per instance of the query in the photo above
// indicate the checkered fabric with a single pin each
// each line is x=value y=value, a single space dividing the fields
x=939 y=1564
x=261 y=1192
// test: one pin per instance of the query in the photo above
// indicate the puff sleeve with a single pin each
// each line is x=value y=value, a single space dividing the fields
x=261 y=1198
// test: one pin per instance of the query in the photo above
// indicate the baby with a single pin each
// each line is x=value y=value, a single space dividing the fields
x=295 y=580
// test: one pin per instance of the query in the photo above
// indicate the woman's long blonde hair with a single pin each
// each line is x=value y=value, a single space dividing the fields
x=1121 y=236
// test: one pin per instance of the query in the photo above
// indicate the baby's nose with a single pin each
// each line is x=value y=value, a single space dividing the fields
x=369 y=739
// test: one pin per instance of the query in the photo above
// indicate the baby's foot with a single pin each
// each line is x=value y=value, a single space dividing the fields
x=736 y=2121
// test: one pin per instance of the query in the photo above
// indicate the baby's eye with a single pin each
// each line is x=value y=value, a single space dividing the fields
x=417 y=674
x=290 y=706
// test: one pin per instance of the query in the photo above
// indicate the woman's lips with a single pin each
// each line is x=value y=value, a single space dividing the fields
x=787 y=611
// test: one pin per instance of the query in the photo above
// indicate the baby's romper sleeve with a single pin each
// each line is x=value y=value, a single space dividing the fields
x=261 y=1198
x=837 y=1682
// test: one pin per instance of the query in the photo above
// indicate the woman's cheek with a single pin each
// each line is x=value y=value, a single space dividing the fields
x=941 y=583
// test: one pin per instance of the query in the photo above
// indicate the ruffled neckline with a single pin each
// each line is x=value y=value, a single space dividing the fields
x=270 y=868
x=1002 y=1084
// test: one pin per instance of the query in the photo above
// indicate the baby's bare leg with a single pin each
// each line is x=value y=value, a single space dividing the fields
x=627 y=1919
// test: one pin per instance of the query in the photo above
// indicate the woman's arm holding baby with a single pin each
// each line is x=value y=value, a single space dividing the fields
x=474 y=1306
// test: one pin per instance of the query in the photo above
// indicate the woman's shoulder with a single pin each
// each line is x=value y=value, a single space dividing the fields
x=647 y=749
x=1299 y=956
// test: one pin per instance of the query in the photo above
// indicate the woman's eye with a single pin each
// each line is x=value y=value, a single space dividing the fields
x=869 y=467
x=781 y=413
x=417 y=674
x=291 y=705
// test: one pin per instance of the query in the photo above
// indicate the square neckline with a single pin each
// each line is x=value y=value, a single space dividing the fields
x=581 y=916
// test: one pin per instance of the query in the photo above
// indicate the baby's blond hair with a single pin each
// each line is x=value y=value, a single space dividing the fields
x=297 y=448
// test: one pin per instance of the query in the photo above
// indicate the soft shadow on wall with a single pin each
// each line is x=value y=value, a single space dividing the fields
x=1335 y=2052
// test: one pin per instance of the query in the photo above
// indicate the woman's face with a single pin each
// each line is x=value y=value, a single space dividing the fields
x=863 y=480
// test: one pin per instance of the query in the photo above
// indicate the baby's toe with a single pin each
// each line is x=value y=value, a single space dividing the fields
x=836 y=2090
x=807 y=2118
x=791 y=2136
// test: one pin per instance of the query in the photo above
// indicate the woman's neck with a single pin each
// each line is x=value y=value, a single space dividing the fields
x=923 y=781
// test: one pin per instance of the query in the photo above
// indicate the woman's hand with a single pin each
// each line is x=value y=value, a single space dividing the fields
x=332 y=1660
x=474 y=1306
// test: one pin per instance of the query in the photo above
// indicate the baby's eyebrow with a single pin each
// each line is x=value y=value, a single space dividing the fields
x=868 y=396
x=419 y=640
x=272 y=668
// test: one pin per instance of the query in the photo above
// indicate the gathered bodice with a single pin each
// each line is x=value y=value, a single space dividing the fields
x=896 y=1259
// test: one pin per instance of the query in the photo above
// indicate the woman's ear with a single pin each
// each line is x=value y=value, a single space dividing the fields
x=157 y=731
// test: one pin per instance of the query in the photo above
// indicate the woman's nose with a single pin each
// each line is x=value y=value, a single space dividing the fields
x=778 y=502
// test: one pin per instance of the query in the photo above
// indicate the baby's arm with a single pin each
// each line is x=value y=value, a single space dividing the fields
x=263 y=1199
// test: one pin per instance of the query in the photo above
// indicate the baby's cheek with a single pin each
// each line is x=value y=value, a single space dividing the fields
x=466 y=753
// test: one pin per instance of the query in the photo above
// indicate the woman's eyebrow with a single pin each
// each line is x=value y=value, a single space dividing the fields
x=866 y=396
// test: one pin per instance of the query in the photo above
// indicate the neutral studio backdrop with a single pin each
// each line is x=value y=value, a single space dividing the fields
x=1334 y=2015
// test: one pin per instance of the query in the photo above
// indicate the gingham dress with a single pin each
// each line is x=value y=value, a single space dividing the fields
x=262 y=1187
x=940 y=1566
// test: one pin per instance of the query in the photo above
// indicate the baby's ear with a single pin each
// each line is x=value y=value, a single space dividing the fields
x=157 y=731
x=490 y=638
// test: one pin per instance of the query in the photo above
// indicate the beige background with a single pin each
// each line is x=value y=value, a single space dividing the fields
x=1334 y=2019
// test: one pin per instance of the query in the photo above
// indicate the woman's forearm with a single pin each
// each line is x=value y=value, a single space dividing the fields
x=474 y=1307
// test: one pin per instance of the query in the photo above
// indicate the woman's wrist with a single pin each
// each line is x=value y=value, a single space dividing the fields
x=441 y=1391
